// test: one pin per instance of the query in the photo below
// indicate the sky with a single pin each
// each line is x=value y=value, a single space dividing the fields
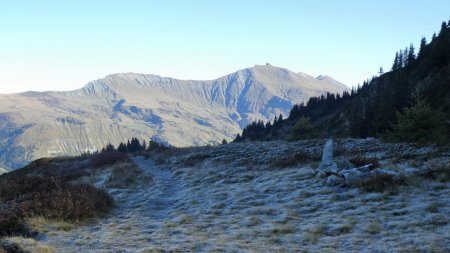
x=62 y=45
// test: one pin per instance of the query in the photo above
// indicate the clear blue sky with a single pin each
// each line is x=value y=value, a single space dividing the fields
x=61 y=45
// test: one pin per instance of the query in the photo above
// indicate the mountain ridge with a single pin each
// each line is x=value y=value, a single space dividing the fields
x=124 y=105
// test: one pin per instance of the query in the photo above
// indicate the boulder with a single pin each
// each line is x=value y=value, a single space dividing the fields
x=360 y=176
x=353 y=177
x=365 y=168
x=321 y=175
x=334 y=180
x=333 y=168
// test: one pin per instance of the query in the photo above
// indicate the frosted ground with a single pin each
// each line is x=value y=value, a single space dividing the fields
x=248 y=198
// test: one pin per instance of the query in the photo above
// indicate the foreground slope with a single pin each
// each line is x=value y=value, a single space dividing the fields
x=121 y=106
x=265 y=197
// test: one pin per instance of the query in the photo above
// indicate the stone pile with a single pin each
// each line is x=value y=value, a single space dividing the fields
x=334 y=175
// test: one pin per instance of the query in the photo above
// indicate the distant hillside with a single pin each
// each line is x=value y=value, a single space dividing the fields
x=372 y=110
x=121 y=106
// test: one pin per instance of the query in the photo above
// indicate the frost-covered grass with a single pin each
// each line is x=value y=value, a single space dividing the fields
x=233 y=198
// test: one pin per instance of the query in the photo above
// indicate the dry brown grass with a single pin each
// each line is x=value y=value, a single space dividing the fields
x=24 y=245
x=373 y=227
x=360 y=160
x=313 y=234
x=294 y=160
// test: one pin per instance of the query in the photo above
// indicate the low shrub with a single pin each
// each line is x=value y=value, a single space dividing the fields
x=29 y=196
x=194 y=159
x=11 y=224
x=107 y=158
x=123 y=175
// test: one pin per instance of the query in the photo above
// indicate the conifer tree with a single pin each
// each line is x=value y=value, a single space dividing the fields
x=109 y=147
x=411 y=54
x=401 y=61
x=443 y=29
x=122 y=148
x=423 y=44
x=395 y=65
x=405 y=57
x=238 y=138
x=144 y=145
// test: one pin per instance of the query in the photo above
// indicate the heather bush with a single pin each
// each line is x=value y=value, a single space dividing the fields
x=29 y=196
x=107 y=158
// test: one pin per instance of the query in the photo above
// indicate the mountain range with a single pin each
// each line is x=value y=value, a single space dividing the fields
x=121 y=106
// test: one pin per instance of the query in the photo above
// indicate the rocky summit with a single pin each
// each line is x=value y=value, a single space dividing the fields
x=121 y=106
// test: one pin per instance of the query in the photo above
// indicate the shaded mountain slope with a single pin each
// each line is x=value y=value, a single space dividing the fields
x=371 y=110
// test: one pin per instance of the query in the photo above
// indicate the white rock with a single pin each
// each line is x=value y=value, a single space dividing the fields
x=327 y=164
x=327 y=155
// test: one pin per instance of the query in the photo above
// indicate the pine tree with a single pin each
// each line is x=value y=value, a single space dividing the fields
x=303 y=129
x=144 y=145
x=401 y=61
x=122 y=148
x=395 y=65
x=238 y=138
x=443 y=29
x=411 y=55
x=405 y=57
x=109 y=147
x=422 y=124
x=423 y=44
x=280 y=119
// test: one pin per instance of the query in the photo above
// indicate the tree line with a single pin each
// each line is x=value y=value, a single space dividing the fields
x=376 y=108
x=132 y=146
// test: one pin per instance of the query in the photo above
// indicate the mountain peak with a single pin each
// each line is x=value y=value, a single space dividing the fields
x=180 y=112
